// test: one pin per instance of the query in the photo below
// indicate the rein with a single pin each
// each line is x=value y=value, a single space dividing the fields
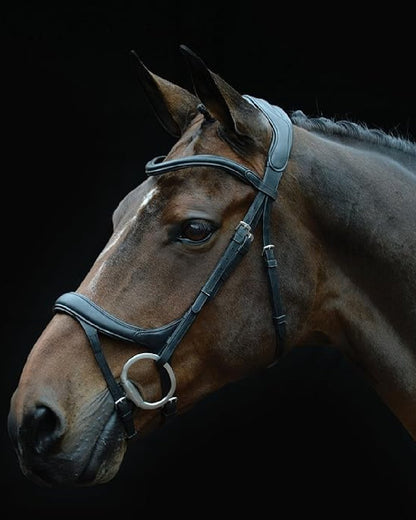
x=162 y=341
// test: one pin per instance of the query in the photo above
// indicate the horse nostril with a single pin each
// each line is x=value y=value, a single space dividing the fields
x=41 y=429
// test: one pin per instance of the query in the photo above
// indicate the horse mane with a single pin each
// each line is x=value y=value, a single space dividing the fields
x=351 y=130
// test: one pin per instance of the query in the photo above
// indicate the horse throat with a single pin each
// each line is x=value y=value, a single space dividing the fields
x=362 y=209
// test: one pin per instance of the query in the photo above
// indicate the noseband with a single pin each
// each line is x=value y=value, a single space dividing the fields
x=161 y=342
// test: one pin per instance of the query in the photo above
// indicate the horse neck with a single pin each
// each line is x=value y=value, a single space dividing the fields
x=362 y=208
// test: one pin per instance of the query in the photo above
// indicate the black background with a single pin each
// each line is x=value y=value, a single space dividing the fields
x=309 y=437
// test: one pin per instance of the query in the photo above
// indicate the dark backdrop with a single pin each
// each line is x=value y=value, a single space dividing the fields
x=309 y=437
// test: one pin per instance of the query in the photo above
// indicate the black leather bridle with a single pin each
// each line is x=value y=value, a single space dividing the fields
x=162 y=341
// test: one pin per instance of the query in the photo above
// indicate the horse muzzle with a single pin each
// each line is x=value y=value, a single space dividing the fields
x=51 y=454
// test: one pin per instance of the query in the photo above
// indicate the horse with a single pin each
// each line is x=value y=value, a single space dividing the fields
x=258 y=233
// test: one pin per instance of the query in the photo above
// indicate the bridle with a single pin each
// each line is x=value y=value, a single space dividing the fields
x=162 y=341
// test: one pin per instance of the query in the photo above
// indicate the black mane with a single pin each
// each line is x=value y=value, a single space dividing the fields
x=351 y=130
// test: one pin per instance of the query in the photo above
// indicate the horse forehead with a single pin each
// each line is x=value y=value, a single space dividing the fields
x=135 y=201
x=201 y=138
x=202 y=181
x=187 y=188
x=147 y=196
x=187 y=185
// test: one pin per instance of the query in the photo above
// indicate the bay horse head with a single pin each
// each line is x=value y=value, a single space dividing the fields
x=187 y=294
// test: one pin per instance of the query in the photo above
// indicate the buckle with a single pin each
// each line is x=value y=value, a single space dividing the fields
x=243 y=235
x=120 y=401
x=244 y=225
x=169 y=408
x=268 y=247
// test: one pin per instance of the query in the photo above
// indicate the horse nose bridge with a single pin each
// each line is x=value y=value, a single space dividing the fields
x=58 y=359
x=54 y=370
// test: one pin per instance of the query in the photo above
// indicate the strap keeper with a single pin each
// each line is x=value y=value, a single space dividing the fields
x=281 y=320
x=280 y=326
x=271 y=262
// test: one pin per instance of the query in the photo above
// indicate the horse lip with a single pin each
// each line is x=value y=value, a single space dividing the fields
x=110 y=440
x=101 y=465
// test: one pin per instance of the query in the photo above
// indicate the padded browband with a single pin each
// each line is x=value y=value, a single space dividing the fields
x=82 y=308
x=278 y=157
x=156 y=167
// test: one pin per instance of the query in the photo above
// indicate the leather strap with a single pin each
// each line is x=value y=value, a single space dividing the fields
x=123 y=406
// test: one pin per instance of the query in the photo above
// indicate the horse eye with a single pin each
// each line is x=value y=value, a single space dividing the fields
x=196 y=230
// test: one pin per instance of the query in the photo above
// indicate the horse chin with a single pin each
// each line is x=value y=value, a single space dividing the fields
x=106 y=455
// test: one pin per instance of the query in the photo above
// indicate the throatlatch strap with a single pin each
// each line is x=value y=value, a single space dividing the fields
x=278 y=316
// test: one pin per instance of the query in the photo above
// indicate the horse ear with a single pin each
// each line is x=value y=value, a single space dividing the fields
x=174 y=106
x=239 y=119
